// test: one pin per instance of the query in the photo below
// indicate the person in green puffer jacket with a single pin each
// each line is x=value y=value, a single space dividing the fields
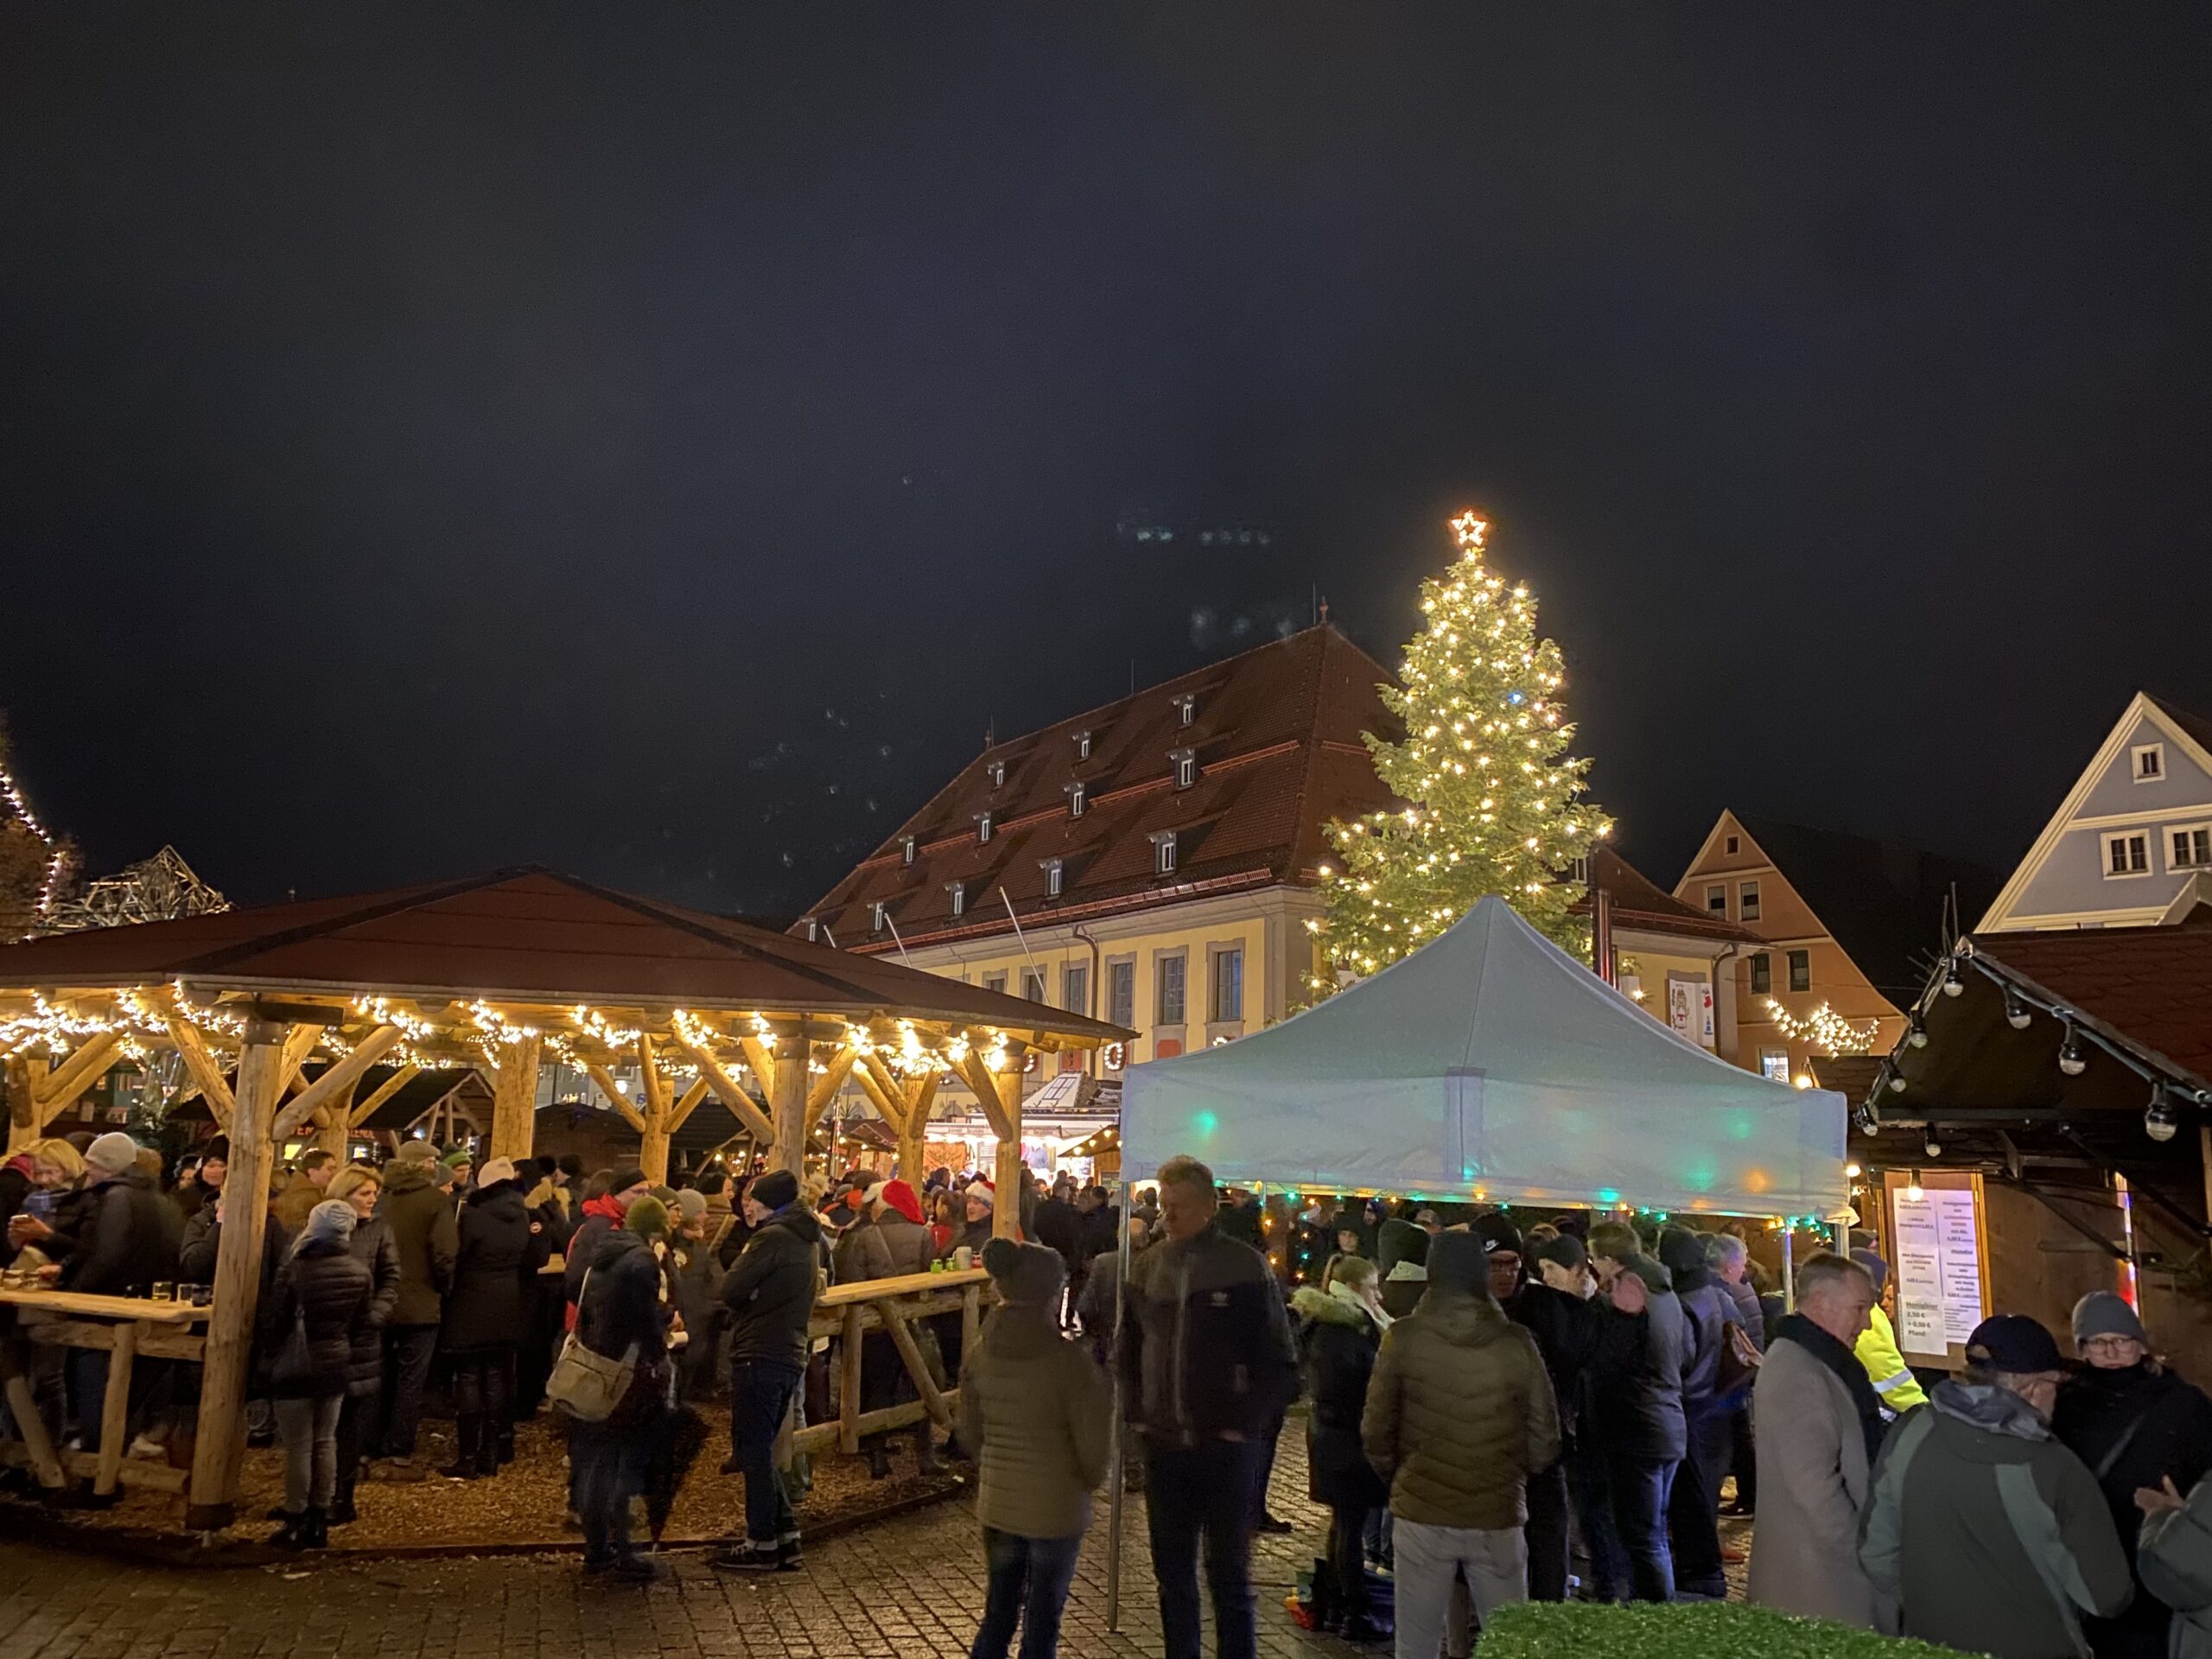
x=2174 y=1554
x=1038 y=1413
x=1460 y=1413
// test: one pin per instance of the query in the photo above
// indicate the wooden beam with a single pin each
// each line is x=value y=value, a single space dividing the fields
x=364 y=1111
x=336 y=1084
x=25 y=1077
x=600 y=1074
x=74 y=1075
x=684 y=1107
x=762 y=1060
x=823 y=1088
x=297 y=1047
x=913 y=1139
x=894 y=1321
x=788 y=1098
x=656 y=1086
x=204 y=1071
x=980 y=1078
x=1006 y=1214
x=883 y=1093
x=237 y=1280
x=727 y=1091
x=514 y=1100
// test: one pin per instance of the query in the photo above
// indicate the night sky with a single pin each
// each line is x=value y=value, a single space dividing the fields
x=657 y=442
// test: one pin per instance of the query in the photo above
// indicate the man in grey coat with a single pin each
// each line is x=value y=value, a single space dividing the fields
x=1818 y=1424
x=1991 y=1535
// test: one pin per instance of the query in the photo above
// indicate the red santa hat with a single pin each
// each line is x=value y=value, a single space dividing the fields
x=899 y=1196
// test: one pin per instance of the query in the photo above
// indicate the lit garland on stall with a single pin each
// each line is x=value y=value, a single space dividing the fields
x=1824 y=1031
x=1495 y=794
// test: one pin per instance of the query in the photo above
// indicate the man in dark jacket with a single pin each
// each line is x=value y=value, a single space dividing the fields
x=1694 y=1506
x=121 y=1238
x=424 y=1232
x=770 y=1293
x=1208 y=1364
x=1059 y=1227
x=1633 y=1436
x=1566 y=1330
x=486 y=1316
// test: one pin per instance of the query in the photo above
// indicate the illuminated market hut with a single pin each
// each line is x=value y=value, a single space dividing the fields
x=493 y=973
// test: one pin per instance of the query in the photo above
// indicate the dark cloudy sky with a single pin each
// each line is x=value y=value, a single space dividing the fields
x=656 y=441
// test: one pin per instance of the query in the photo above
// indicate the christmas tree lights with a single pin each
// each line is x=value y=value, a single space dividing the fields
x=1494 y=796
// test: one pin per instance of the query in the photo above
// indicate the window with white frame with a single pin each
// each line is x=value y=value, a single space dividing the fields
x=995 y=983
x=1122 y=994
x=1163 y=853
x=1716 y=898
x=813 y=930
x=1076 y=802
x=2149 y=762
x=1762 y=973
x=1082 y=745
x=997 y=770
x=959 y=892
x=1075 y=987
x=1033 y=985
x=1171 y=989
x=1186 y=767
x=1747 y=901
x=2188 y=846
x=2127 y=852
x=1187 y=707
x=1055 y=873
x=879 y=913
x=906 y=850
x=983 y=826
x=1228 y=985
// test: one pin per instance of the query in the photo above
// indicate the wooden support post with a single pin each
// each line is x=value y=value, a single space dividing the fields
x=971 y=1319
x=902 y=1337
x=237 y=1279
x=24 y=1408
x=914 y=1133
x=1000 y=1094
x=115 y=1408
x=25 y=1078
x=848 y=1383
x=729 y=1092
x=600 y=1074
x=514 y=1100
x=205 y=1070
x=334 y=1085
x=787 y=1097
x=364 y=1109
x=53 y=1092
x=652 y=1140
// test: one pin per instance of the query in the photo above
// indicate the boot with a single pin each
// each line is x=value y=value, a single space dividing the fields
x=293 y=1535
x=878 y=1460
x=342 y=1511
x=925 y=1457
x=314 y=1529
x=469 y=1430
x=487 y=1455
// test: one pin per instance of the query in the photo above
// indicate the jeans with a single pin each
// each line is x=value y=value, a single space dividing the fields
x=1029 y=1583
x=1495 y=1565
x=1203 y=1491
x=1623 y=1503
x=1694 y=1510
x=407 y=1349
x=1546 y=1533
x=760 y=1398
x=309 y=1430
x=608 y=1466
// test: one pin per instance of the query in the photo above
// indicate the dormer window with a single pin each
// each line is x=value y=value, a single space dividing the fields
x=1163 y=852
x=879 y=914
x=1186 y=767
x=2150 y=762
x=813 y=924
x=959 y=892
x=997 y=769
x=1055 y=876
x=1187 y=707
x=906 y=850
x=1082 y=745
x=1076 y=791
x=983 y=827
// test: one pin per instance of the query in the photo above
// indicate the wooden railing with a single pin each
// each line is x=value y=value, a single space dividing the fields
x=128 y=1327
x=849 y=1313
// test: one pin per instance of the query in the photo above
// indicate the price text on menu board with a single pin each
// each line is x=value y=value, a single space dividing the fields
x=1938 y=1269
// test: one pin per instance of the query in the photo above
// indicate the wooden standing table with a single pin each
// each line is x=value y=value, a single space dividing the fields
x=126 y=1326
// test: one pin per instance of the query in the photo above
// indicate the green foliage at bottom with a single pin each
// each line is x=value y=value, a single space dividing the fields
x=1536 y=1630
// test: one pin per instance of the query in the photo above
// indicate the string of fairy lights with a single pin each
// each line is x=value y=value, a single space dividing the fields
x=1823 y=1030
x=57 y=850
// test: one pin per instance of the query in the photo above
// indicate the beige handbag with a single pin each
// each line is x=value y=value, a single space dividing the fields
x=586 y=1384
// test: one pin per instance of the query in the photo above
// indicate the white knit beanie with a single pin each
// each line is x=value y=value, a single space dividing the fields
x=112 y=1153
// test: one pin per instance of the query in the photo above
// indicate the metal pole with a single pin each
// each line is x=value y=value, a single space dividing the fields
x=1118 y=1433
x=1789 y=1272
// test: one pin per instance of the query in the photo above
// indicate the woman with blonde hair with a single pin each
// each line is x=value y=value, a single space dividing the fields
x=359 y=1186
x=1341 y=1326
x=27 y=1182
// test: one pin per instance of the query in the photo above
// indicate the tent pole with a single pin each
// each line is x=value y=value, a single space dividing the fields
x=1118 y=1436
x=1789 y=1272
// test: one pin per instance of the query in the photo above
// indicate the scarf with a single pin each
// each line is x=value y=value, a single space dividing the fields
x=1796 y=1327
x=1351 y=1298
x=606 y=1208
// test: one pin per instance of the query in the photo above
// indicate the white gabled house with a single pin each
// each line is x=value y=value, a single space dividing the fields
x=2132 y=844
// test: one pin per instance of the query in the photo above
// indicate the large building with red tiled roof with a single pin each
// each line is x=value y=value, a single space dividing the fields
x=1160 y=853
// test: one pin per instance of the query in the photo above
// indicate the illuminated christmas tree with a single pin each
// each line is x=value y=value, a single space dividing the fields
x=1494 y=797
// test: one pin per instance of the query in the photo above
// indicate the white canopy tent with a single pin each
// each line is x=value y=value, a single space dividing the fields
x=1491 y=1065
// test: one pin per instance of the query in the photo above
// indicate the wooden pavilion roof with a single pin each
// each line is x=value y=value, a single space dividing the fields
x=526 y=941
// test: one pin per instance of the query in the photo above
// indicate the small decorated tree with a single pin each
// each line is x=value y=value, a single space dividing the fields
x=1494 y=797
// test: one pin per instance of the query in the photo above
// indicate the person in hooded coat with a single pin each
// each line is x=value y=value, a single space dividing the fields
x=1341 y=1322
x=1694 y=1506
x=626 y=1310
x=321 y=1302
x=424 y=1232
x=487 y=1316
x=2136 y=1424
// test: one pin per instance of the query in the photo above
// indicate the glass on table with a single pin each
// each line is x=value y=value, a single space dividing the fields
x=163 y=1290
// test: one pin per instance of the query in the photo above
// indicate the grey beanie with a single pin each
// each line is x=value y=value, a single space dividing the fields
x=2105 y=1313
x=333 y=1220
x=112 y=1153
x=1025 y=1272
x=691 y=1204
x=417 y=1152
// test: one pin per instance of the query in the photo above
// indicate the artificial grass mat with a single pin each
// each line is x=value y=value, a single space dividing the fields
x=1713 y=1630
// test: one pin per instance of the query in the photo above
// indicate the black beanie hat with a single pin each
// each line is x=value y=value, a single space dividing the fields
x=1459 y=1259
x=625 y=1178
x=1400 y=1241
x=219 y=1147
x=1497 y=1232
x=1025 y=1272
x=1566 y=1249
x=774 y=1190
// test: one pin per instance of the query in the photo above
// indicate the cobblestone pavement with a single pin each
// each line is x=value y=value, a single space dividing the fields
x=909 y=1587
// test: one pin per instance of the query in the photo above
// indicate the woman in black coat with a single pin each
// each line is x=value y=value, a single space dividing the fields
x=2135 y=1424
x=487 y=1316
x=373 y=1246
x=1341 y=1327
x=316 y=1311
x=626 y=1308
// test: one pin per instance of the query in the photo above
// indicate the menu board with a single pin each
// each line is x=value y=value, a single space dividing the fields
x=1936 y=1257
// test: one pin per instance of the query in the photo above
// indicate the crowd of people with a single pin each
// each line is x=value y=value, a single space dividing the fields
x=1495 y=1412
